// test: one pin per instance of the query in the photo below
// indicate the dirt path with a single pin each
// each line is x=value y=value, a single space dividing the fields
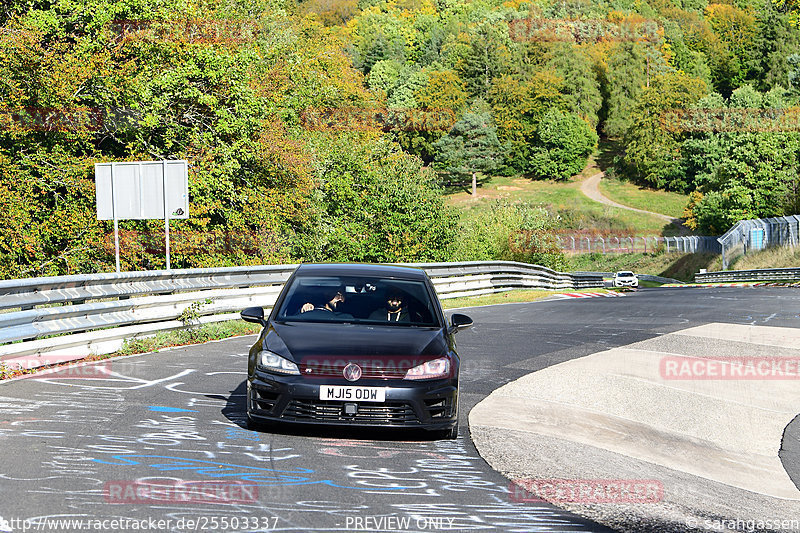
x=590 y=188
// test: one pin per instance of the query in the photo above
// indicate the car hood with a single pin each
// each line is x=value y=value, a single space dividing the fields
x=297 y=341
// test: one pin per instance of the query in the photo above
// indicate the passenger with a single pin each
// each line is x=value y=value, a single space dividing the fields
x=393 y=311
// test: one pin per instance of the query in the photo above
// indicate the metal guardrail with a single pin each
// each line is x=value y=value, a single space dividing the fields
x=95 y=313
x=765 y=274
x=645 y=277
x=659 y=279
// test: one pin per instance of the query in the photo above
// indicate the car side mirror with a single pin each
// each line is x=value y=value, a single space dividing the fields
x=254 y=314
x=459 y=321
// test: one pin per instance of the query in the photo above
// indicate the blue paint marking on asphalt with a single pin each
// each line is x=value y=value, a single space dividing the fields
x=211 y=469
x=241 y=434
x=161 y=409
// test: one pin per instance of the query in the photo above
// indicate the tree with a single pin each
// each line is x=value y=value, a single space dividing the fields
x=776 y=39
x=581 y=89
x=234 y=109
x=793 y=76
x=758 y=177
x=378 y=204
x=480 y=56
x=736 y=30
x=470 y=147
x=745 y=97
x=331 y=12
x=564 y=142
x=627 y=78
x=511 y=232
x=518 y=107
x=377 y=51
x=792 y=7
x=384 y=75
x=652 y=153
x=444 y=96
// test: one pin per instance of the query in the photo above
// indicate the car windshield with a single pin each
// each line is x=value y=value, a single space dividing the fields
x=361 y=299
x=625 y=274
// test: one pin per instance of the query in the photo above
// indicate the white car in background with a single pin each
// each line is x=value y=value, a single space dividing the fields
x=625 y=278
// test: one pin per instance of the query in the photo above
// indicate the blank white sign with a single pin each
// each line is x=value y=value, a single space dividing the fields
x=139 y=189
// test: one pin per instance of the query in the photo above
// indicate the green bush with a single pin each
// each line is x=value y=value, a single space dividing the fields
x=565 y=142
x=378 y=204
x=510 y=232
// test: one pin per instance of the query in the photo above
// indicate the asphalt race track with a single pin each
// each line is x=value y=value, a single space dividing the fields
x=74 y=442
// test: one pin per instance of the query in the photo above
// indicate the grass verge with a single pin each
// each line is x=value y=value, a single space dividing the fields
x=182 y=337
x=648 y=283
x=779 y=257
x=564 y=198
x=655 y=201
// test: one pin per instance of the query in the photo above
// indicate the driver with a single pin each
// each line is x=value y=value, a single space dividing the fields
x=329 y=301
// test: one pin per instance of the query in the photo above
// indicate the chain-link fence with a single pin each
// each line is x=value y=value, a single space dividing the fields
x=753 y=235
x=580 y=243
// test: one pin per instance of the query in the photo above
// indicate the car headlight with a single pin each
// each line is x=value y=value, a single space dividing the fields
x=438 y=368
x=275 y=363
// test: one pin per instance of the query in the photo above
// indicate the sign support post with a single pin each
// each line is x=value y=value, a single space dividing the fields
x=116 y=220
x=166 y=211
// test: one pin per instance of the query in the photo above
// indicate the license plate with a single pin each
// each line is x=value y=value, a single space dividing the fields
x=352 y=394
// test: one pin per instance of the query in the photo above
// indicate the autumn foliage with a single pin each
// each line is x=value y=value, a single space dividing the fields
x=88 y=82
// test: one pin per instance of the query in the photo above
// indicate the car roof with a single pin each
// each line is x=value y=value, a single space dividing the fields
x=361 y=269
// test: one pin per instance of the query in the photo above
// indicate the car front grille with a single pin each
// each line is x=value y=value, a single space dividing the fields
x=387 y=413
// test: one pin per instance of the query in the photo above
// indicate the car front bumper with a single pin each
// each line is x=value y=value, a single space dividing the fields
x=430 y=405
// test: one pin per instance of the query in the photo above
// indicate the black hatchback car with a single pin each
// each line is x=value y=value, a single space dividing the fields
x=355 y=345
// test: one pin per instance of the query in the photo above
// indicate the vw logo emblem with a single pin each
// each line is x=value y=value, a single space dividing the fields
x=352 y=372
